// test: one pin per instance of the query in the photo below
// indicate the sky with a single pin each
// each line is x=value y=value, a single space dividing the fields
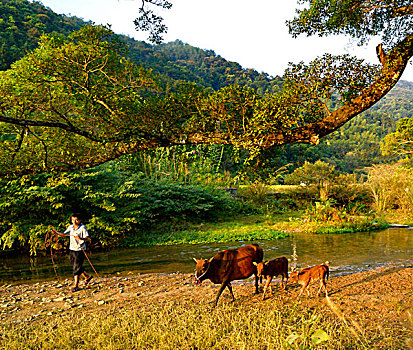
x=252 y=33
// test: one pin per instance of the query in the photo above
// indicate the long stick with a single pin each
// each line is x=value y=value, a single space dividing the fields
x=84 y=251
x=47 y=243
x=54 y=267
x=87 y=257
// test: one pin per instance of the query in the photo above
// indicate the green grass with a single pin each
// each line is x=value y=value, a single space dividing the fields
x=245 y=228
x=253 y=228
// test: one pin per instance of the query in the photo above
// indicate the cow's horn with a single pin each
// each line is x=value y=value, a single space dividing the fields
x=255 y=263
x=195 y=260
x=210 y=259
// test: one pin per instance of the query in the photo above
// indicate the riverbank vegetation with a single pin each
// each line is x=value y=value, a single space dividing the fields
x=126 y=204
x=54 y=131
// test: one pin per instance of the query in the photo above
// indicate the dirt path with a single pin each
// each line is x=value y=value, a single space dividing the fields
x=379 y=299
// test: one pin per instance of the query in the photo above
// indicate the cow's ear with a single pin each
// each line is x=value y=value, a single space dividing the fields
x=195 y=260
x=254 y=263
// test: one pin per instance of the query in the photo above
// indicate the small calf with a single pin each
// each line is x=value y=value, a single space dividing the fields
x=273 y=268
x=305 y=276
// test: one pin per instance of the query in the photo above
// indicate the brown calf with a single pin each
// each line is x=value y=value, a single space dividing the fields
x=273 y=268
x=305 y=276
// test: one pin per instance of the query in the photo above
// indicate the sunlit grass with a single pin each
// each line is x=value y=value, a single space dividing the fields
x=256 y=227
x=399 y=217
x=247 y=228
x=184 y=325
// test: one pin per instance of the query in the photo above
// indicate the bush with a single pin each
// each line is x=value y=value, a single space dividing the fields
x=318 y=177
x=116 y=206
x=391 y=187
x=255 y=192
x=321 y=182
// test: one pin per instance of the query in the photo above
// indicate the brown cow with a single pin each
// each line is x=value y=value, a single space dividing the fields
x=273 y=268
x=229 y=265
x=305 y=276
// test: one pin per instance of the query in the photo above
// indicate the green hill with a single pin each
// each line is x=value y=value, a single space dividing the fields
x=22 y=22
x=357 y=143
x=21 y=25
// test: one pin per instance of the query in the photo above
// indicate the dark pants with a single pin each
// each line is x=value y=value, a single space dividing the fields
x=77 y=258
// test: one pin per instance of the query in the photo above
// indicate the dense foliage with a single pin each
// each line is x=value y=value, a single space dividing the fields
x=354 y=146
x=77 y=102
x=162 y=114
x=361 y=19
x=359 y=143
x=21 y=25
x=118 y=207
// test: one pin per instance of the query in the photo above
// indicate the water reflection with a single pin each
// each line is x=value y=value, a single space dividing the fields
x=346 y=253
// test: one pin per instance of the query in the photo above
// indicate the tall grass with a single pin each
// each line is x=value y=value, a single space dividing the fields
x=187 y=325
x=190 y=165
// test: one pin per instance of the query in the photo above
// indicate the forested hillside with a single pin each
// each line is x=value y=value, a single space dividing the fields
x=204 y=67
x=352 y=147
x=21 y=25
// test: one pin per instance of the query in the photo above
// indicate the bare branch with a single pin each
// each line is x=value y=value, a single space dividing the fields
x=150 y=22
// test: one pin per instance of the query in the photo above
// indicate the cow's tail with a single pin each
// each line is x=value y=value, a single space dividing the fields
x=327 y=264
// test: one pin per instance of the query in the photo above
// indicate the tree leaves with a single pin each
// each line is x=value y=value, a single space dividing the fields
x=361 y=19
x=150 y=22
x=78 y=102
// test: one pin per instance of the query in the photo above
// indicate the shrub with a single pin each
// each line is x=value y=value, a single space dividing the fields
x=390 y=186
x=325 y=212
x=318 y=177
x=116 y=206
x=256 y=192
x=320 y=182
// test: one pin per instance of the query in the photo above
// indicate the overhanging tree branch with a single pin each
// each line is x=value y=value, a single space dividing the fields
x=154 y=139
x=396 y=61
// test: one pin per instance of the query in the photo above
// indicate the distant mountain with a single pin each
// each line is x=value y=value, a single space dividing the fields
x=23 y=22
x=399 y=101
x=179 y=61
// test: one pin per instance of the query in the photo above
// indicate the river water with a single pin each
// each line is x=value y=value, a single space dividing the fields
x=346 y=253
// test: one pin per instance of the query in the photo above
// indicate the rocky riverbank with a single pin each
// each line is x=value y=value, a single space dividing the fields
x=379 y=300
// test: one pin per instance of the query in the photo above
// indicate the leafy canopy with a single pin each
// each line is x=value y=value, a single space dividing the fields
x=78 y=101
x=361 y=19
x=400 y=143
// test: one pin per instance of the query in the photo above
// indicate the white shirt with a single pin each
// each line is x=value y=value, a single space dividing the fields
x=81 y=232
